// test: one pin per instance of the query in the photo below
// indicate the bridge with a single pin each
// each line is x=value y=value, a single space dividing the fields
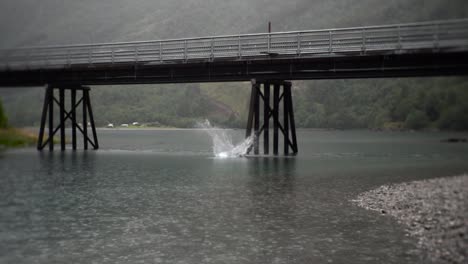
x=436 y=48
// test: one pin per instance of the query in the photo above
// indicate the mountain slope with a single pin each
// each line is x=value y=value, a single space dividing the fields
x=28 y=22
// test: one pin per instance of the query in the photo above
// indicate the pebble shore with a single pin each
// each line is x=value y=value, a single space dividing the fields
x=434 y=211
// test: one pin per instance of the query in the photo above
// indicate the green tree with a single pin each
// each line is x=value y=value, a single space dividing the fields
x=3 y=118
x=402 y=109
x=417 y=119
x=454 y=118
x=432 y=107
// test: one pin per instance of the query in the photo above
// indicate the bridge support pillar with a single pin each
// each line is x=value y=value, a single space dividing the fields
x=48 y=115
x=281 y=93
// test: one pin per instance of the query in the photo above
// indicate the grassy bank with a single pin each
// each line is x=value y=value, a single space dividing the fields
x=13 y=137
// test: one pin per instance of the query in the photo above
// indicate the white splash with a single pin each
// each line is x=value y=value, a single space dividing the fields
x=222 y=142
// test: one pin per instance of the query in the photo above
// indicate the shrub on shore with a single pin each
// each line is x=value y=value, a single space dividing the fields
x=3 y=118
x=12 y=137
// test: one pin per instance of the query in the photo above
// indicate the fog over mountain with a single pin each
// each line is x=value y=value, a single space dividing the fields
x=381 y=102
x=30 y=22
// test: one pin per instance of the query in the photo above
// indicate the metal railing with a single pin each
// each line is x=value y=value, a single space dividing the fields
x=436 y=36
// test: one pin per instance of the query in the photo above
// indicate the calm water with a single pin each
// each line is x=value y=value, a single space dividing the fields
x=160 y=197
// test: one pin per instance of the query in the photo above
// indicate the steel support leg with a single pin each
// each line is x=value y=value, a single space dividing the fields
x=64 y=115
x=91 y=119
x=276 y=90
x=248 y=132
x=51 y=118
x=73 y=117
x=43 y=119
x=85 y=120
x=286 y=93
x=266 y=118
x=256 y=118
x=62 y=118
x=287 y=126
x=291 y=120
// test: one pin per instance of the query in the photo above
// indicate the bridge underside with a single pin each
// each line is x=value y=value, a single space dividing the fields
x=269 y=72
x=341 y=66
x=270 y=60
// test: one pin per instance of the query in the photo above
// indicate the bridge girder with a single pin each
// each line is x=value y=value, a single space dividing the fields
x=307 y=68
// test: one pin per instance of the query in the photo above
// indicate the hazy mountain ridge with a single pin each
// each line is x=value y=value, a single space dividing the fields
x=27 y=22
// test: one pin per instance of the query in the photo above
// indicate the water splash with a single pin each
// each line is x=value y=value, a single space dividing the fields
x=223 y=146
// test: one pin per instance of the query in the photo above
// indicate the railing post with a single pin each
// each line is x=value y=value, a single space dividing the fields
x=330 y=39
x=68 y=58
x=112 y=55
x=212 y=49
x=90 y=60
x=28 y=58
x=160 y=52
x=269 y=42
x=436 y=36
x=239 y=47
x=299 y=40
x=46 y=60
x=399 y=38
x=4 y=60
x=364 y=40
x=136 y=54
x=185 y=50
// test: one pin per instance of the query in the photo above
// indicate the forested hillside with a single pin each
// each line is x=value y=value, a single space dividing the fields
x=416 y=103
x=393 y=103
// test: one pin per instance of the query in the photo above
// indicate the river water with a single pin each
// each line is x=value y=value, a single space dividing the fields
x=150 y=196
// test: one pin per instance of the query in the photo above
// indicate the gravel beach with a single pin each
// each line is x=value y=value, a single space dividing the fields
x=434 y=211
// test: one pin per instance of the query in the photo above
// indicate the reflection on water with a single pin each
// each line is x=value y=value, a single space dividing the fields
x=158 y=197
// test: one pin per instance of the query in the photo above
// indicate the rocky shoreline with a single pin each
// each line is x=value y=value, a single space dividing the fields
x=434 y=211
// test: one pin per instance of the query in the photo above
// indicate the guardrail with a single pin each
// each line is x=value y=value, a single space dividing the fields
x=437 y=35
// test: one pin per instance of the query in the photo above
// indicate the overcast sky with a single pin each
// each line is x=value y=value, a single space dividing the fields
x=32 y=22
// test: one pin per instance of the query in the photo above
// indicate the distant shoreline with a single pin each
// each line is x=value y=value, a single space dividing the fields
x=179 y=128
x=155 y=128
x=33 y=129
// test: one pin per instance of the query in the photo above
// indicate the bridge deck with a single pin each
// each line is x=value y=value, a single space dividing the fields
x=430 y=48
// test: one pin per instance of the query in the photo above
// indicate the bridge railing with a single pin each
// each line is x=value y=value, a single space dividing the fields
x=436 y=36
